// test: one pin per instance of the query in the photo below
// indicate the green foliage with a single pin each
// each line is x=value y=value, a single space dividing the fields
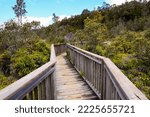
x=41 y=46
x=24 y=49
x=5 y=62
x=11 y=25
x=125 y=61
x=26 y=60
x=121 y=33
x=22 y=65
x=93 y=32
x=101 y=51
x=4 y=81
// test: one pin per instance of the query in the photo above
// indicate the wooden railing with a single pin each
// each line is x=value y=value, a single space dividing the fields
x=38 y=85
x=102 y=75
x=106 y=80
x=59 y=48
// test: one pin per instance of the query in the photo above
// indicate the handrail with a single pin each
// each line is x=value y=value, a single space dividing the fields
x=38 y=84
x=103 y=76
x=53 y=53
x=59 y=48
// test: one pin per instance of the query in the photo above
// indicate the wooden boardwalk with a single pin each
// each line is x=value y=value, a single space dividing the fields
x=58 y=79
x=69 y=84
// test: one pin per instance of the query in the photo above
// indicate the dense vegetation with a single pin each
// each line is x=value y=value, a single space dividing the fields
x=21 y=51
x=121 y=33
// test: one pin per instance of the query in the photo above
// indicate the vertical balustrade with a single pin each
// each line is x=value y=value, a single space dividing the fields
x=43 y=91
x=48 y=88
x=106 y=80
x=39 y=92
x=36 y=93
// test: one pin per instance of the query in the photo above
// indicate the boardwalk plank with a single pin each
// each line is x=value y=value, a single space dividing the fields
x=69 y=84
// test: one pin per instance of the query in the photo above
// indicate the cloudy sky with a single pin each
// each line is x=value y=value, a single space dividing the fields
x=42 y=10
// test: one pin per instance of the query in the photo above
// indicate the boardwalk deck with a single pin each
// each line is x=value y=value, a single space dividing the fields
x=69 y=84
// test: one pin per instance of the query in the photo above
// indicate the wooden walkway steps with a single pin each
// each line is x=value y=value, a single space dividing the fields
x=69 y=84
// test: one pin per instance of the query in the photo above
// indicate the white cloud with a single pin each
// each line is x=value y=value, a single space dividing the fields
x=117 y=2
x=63 y=16
x=45 y=21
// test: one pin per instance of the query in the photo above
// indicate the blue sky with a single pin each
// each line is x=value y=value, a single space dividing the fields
x=42 y=10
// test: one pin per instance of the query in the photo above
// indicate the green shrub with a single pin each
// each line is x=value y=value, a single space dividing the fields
x=41 y=46
x=4 y=81
x=125 y=61
x=5 y=62
x=26 y=60
x=101 y=51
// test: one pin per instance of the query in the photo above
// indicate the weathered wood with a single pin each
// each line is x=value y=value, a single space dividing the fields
x=53 y=85
x=40 y=92
x=36 y=93
x=124 y=86
x=43 y=90
x=30 y=96
x=53 y=54
x=69 y=84
x=59 y=48
x=48 y=88
x=103 y=76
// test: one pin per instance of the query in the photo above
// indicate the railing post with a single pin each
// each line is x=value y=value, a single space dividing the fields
x=29 y=96
x=36 y=93
x=43 y=90
x=53 y=75
x=48 y=88
x=103 y=82
x=40 y=92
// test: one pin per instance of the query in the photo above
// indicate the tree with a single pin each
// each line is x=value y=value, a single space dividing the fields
x=11 y=26
x=94 y=30
x=20 y=10
x=85 y=11
x=35 y=24
x=55 y=18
